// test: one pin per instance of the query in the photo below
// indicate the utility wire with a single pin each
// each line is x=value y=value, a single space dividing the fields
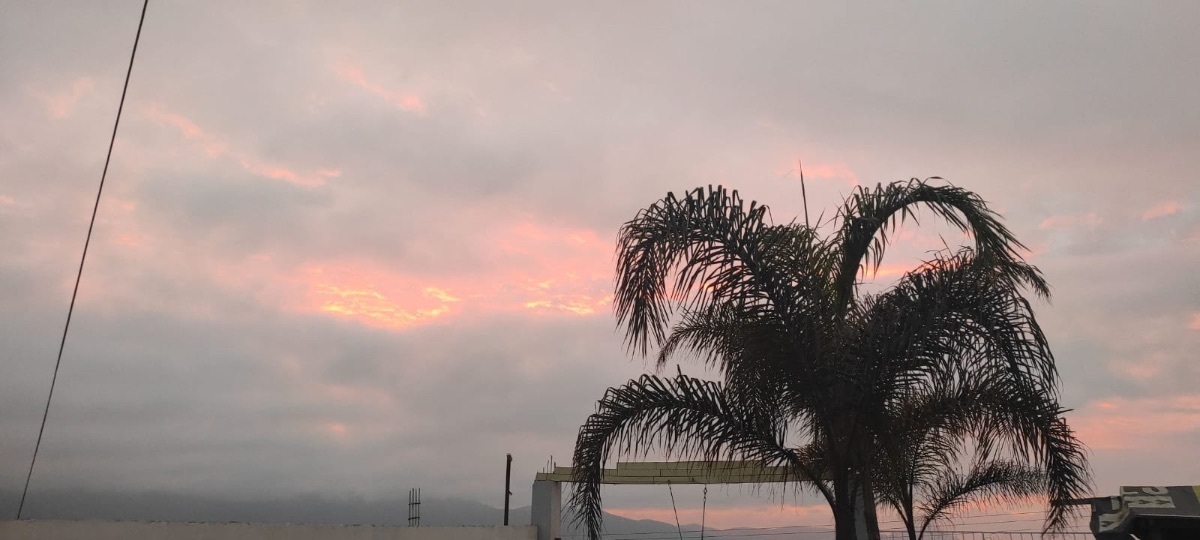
x=672 y=492
x=79 y=275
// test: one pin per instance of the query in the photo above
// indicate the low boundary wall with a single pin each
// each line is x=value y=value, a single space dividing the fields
x=157 y=530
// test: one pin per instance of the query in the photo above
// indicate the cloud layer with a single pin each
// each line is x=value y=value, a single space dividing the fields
x=366 y=248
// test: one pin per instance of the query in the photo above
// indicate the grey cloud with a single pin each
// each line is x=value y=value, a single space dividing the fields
x=571 y=116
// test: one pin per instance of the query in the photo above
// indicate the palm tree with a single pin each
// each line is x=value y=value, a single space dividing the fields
x=810 y=366
x=917 y=464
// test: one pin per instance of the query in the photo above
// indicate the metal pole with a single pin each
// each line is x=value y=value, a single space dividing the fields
x=507 y=486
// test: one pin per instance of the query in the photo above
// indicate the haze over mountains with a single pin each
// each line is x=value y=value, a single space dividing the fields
x=324 y=510
x=311 y=509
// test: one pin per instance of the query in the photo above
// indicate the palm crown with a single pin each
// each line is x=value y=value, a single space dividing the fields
x=814 y=372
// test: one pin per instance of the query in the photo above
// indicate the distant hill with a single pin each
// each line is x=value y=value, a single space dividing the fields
x=315 y=510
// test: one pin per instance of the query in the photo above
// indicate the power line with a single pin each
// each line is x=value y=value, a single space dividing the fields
x=79 y=275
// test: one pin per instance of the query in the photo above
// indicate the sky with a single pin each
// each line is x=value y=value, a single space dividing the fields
x=353 y=249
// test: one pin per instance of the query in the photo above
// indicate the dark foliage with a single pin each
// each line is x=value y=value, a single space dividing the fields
x=817 y=376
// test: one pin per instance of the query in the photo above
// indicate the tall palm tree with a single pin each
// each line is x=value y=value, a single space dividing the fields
x=809 y=365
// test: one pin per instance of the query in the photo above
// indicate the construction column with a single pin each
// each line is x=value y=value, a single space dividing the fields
x=546 y=509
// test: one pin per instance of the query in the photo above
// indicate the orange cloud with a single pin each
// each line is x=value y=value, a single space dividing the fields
x=1123 y=423
x=1090 y=220
x=375 y=298
x=215 y=147
x=1161 y=210
x=1195 y=325
x=536 y=270
x=404 y=101
x=533 y=270
x=61 y=105
x=577 y=304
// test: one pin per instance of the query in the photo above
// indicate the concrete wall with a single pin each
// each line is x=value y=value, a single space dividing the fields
x=144 y=530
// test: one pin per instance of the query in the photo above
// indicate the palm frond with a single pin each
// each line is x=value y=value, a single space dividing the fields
x=957 y=315
x=1033 y=427
x=684 y=417
x=754 y=352
x=717 y=249
x=869 y=215
x=997 y=481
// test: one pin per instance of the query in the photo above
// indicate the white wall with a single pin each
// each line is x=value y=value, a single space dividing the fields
x=145 y=530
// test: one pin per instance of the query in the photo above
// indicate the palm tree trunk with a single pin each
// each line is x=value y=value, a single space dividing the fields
x=843 y=507
x=854 y=517
x=866 y=522
x=844 y=523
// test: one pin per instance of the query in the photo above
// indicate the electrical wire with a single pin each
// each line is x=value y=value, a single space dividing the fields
x=79 y=275
x=677 y=525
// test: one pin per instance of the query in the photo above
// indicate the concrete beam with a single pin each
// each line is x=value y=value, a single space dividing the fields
x=680 y=472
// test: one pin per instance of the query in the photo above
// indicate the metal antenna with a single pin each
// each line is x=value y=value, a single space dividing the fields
x=803 y=192
x=507 y=486
x=414 y=507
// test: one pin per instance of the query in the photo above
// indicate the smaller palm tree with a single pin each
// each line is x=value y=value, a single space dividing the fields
x=918 y=472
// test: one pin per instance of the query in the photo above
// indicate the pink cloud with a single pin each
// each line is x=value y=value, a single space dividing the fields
x=537 y=270
x=62 y=104
x=767 y=514
x=1090 y=220
x=577 y=304
x=534 y=270
x=838 y=172
x=409 y=102
x=1195 y=325
x=1125 y=423
x=215 y=147
x=1144 y=368
x=1161 y=210
x=888 y=271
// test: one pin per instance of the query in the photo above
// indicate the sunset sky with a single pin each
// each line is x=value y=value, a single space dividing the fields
x=359 y=247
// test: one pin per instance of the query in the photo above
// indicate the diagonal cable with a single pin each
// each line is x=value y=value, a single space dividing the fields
x=79 y=275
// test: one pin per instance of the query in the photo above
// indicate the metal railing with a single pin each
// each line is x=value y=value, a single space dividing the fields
x=988 y=535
